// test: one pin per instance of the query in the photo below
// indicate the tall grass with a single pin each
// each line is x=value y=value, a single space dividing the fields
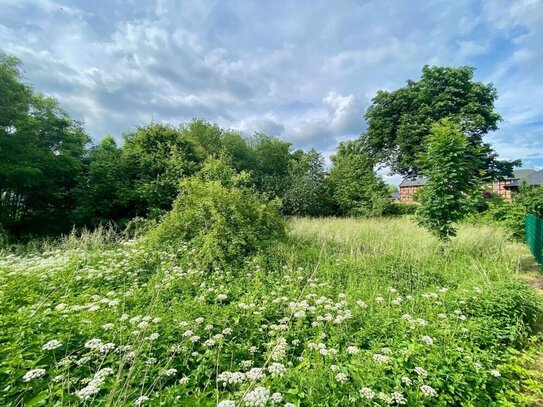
x=367 y=290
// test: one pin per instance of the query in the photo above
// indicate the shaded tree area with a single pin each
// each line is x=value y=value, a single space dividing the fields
x=42 y=152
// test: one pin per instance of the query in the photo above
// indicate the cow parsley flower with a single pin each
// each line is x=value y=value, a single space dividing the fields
x=140 y=400
x=428 y=391
x=420 y=371
x=342 y=378
x=495 y=373
x=367 y=393
x=33 y=374
x=257 y=398
x=226 y=403
x=53 y=344
x=427 y=340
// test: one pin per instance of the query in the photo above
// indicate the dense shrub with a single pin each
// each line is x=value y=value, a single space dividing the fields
x=401 y=208
x=220 y=219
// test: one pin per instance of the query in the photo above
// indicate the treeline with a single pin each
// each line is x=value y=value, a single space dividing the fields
x=53 y=178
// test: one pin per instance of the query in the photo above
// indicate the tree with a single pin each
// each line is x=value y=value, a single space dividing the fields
x=308 y=193
x=270 y=172
x=356 y=189
x=450 y=163
x=399 y=122
x=102 y=196
x=41 y=157
x=156 y=157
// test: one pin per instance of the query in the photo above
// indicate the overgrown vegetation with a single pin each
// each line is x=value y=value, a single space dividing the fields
x=347 y=312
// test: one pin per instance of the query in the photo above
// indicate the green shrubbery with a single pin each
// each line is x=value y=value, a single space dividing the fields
x=219 y=217
x=345 y=312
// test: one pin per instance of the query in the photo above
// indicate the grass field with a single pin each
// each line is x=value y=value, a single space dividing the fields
x=346 y=312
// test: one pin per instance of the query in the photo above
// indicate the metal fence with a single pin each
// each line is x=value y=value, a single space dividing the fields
x=534 y=237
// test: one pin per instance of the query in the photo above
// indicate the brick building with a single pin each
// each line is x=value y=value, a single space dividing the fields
x=505 y=187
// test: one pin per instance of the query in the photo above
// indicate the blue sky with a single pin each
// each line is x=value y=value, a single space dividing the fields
x=301 y=70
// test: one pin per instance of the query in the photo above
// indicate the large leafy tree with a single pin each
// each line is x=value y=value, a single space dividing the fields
x=103 y=194
x=356 y=189
x=399 y=122
x=308 y=193
x=451 y=164
x=41 y=156
x=155 y=158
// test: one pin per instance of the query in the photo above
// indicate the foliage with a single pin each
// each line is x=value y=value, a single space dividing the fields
x=400 y=121
x=506 y=214
x=450 y=164
x=342 y=305
x=103 y=195
x=155 y=158
x=308 y=194
x=41 y=151
x=402 y=208
x=356 y=188
x=220 y=219
x=531 y=199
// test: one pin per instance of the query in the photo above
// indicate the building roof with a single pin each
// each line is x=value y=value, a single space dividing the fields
x=413 y=182
x=519 y=174
x=535 y=178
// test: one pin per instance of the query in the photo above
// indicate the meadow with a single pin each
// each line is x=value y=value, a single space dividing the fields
x=343 y=312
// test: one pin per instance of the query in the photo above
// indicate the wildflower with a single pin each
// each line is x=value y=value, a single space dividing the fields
x=156 y=320
x=277 y=369
x=352 y=350
x=290 y=405
x=367 y=393
x=361 y=304
x=140 y=400
x=107 y=327
x=154 y=336
x=169 y=372
x=53 y=344
x=276 y=398
x=398 y=398
x=93 y=343
x=427 y=340
x=184 y=380
x=495 y=373
x=257 y=398
x=33 y=374
x=341 y=378
x=255 y=374
x=222 y=297
x=428 y=391
x=382 y=359
x=407 y=381
x=226 y=403
x=379 y=299
x=420 y=371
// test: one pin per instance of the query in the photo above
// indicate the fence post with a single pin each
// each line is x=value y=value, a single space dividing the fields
x=534 y=237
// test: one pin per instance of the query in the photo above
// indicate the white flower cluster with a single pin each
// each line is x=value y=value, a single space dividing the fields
x=53 y=344
x=94 y=385
x=258 y=397
x=33 y=374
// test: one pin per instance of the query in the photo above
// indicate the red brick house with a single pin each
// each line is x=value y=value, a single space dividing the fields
x=504 y=188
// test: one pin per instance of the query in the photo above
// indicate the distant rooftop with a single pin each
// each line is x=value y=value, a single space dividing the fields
x=529 y=175
x=413 y=182
x=534 y=178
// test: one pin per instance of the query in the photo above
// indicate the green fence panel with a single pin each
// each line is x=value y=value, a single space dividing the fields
x=534 y=237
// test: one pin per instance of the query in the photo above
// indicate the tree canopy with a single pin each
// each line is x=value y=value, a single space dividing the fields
x=399 y=122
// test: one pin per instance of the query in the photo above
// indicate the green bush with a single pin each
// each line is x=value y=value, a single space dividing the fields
x=401 y=208
x=508 y=215
x=220 y=219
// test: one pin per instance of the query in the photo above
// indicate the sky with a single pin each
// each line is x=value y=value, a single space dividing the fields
x=304 y=71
